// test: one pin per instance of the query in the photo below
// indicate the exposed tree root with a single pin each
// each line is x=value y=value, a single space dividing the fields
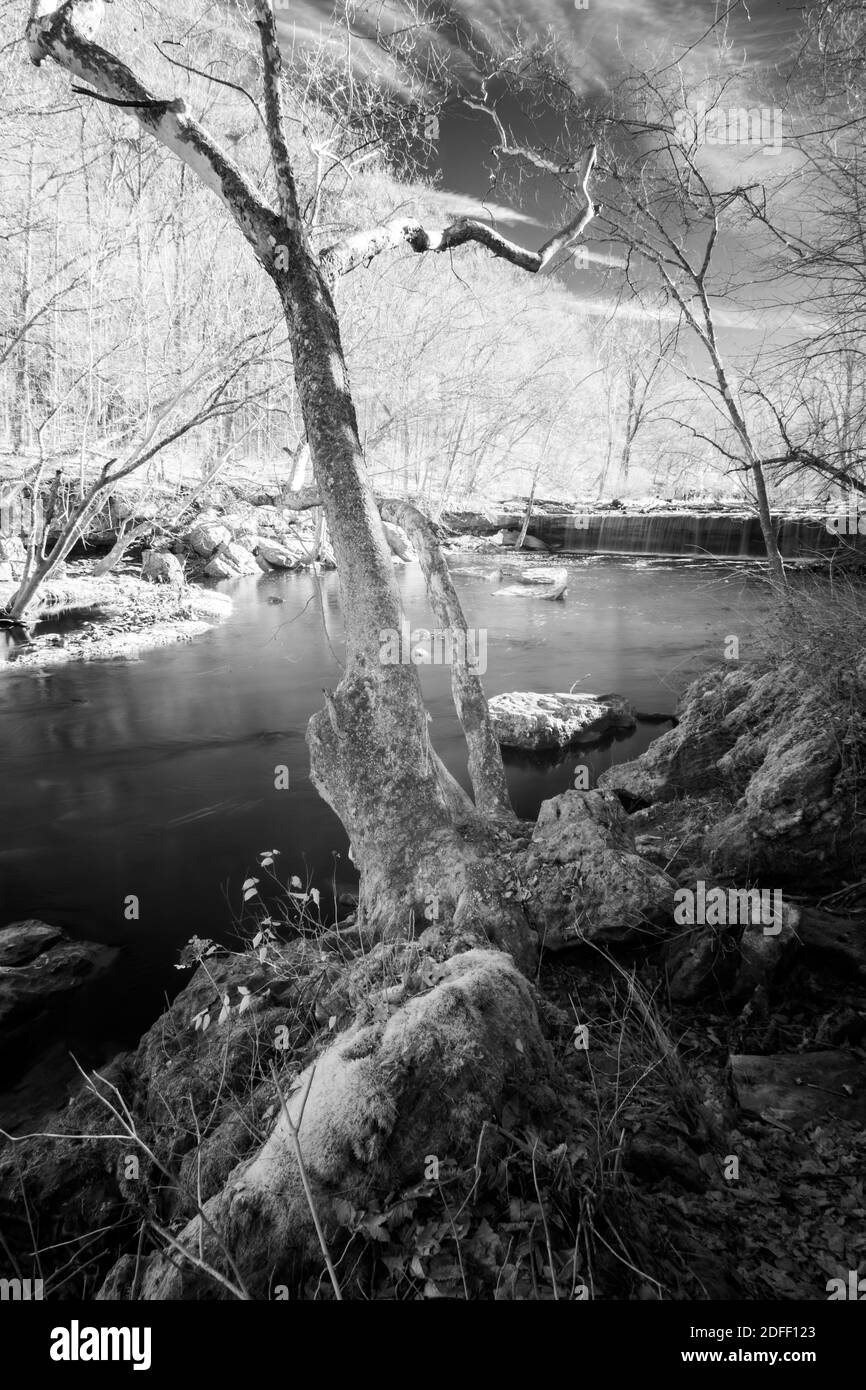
x=377 y=1104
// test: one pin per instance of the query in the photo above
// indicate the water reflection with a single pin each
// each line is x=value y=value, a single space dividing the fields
x=157 y=777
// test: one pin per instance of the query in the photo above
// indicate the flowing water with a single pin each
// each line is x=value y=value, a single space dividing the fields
x=156 y=777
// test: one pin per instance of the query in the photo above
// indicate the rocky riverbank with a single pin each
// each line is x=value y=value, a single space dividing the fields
x=109 y=617
x=159 y=590
x=700 y=1065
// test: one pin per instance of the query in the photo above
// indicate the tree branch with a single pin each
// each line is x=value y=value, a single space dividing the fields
x=56 y=36
x=275 y=124
x=302 y=500
x=361 y=247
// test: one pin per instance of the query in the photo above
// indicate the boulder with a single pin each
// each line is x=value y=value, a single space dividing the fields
x=221 y=568
x=768 y=751
x=248 y=539
x=161 y=567
x=585 y=879
x=765 y=956
x=240 y=556
x=231 y=561
x=523 y=719
x=729 y=961
x=840 y=940
x=206 y=537
x=268 y=520
x=22 y=942
x=684 y=759
x=406 y=1071
x=235 y=522
x=279 y=556
x=700 y=961
x=39 y=966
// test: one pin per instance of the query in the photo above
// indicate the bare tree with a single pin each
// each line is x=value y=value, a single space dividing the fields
x=812 y=386
x=633 y=359
x=416 y=835
x=162 y=430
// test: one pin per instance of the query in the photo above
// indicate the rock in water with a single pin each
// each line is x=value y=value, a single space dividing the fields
x=22 y=942
x=38 y=966
x=522 y=719
x=220 y=568
x=161 y=567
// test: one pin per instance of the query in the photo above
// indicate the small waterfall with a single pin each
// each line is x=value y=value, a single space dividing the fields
x=717 y=534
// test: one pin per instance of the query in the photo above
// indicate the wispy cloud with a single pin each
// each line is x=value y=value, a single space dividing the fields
x=598 y=42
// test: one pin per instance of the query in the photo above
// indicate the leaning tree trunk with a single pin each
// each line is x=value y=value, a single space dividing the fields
x=461 y=1029
x=370 y=751
x=109 y=562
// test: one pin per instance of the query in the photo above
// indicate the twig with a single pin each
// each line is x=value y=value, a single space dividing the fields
x=544 y=1224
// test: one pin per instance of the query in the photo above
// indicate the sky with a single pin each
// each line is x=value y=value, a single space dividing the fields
x=600 y=42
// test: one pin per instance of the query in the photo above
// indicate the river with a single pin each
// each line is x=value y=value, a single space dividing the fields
x=155 y=778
